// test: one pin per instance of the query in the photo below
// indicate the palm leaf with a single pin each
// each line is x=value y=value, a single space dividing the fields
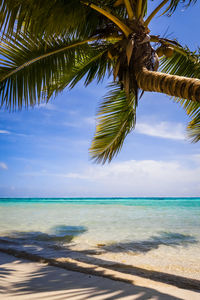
x=183 y=63
x=174 y=4
x=194 y=127
x=186 y=64
x=144 y=7
x=39 y=16
x=116 y=118
x=193 y=110
x=92 y=65
x=44 y=17
x=28 y=66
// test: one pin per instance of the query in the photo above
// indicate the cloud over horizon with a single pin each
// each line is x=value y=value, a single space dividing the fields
x=133 y=178
x=143 y=178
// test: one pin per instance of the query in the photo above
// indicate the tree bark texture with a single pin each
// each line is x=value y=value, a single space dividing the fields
x=178 y=86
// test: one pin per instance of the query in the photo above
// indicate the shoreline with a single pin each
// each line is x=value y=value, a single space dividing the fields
x=23 y=279
x=116 y=271
x=148 y=247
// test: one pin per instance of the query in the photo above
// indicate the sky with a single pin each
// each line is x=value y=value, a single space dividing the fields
x=44 y=150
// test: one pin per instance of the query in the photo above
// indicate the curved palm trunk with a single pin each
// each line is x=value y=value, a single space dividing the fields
x=172 y=85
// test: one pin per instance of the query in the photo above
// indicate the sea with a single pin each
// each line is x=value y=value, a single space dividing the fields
x=159 y=234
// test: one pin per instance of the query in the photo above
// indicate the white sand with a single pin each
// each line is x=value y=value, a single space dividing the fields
x=21 y=280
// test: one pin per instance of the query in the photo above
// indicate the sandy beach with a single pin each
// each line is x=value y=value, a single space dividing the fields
x=22 y=279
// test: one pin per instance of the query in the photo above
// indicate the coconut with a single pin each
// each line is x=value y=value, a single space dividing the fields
x=168 y=51
x=160 y=51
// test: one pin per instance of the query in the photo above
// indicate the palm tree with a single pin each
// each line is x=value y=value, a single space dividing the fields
x=48 y=45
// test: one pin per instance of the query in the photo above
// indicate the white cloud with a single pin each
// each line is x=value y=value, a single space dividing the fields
x=141 y=178
x=4 y=132
x=131 y=179
x=166 y=130
x=22 y=134
x=13 y=133
x=3 y=166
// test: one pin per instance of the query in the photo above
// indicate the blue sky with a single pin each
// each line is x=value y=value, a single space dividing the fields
x=44 y=151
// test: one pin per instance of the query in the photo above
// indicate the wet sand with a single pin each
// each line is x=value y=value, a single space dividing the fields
x=22 y=279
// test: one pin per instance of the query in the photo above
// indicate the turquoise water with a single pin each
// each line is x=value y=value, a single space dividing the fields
x=139 y=231
x=191 y=202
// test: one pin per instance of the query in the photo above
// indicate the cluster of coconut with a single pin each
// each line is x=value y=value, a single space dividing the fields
x=165 y=50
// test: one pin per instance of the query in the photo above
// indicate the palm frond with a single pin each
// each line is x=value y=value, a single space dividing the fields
x=175 y=3
x=116 y=118
x=92 y=65
x=187 y=65
x=144 y=8
x=194 y=127
x=154 y=12
x=44 y=17
x=193 y=110
x=28 y=66
x=183 y=63
x=105 y=12
x=39 y=16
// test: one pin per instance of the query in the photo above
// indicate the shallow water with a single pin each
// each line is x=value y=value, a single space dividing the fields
x=159 y=234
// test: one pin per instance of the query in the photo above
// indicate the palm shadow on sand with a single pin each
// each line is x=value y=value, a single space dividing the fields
x=64 y=284
x=142 y=246
x=66 y=234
